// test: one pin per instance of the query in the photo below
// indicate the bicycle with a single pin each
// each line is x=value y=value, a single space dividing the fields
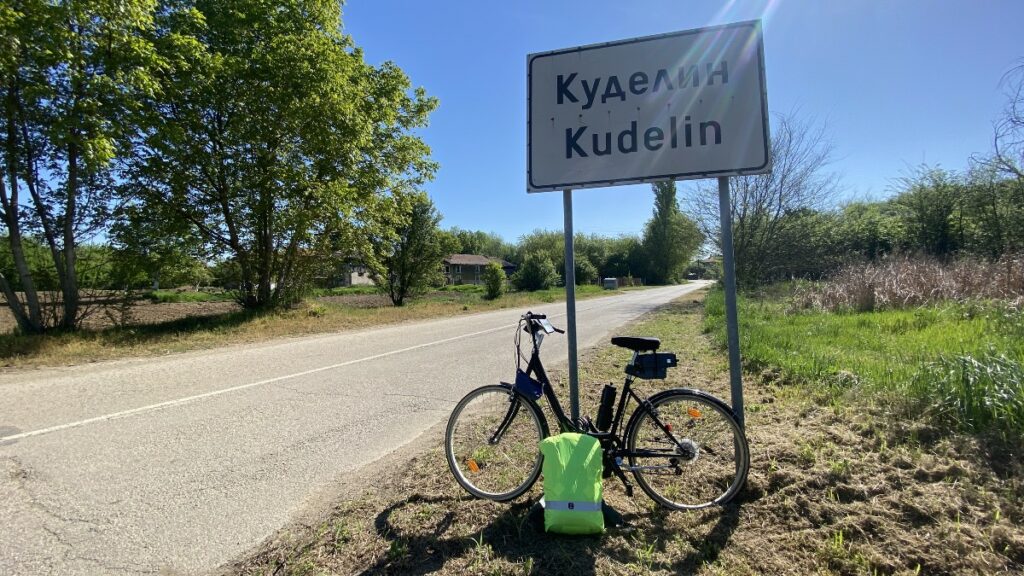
x=684 y=447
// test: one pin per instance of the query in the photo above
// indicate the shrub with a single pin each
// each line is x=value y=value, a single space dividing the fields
x=494 y=280
x=536 y=273
x=169 y=296
x=586 y=273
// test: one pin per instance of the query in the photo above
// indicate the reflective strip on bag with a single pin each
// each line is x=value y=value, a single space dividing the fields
x=570 y=506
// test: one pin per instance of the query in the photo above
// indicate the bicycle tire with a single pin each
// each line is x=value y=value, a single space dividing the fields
x=706 y=467
x=501 y=470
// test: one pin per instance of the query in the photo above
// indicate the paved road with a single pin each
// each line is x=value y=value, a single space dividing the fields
x=180 y=464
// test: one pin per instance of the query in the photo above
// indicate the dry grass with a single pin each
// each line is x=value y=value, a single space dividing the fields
x=832 y=490
x=903 y=282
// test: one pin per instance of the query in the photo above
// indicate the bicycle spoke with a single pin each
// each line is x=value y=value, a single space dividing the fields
x=687 y=456
x=491 y=443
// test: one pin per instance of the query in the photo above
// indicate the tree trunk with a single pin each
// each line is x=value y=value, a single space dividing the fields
x=70 y=285
x=24 y=324
x=265 y=242
x=33 y=322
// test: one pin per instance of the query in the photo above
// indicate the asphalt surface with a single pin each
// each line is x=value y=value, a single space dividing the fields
x=179 y=464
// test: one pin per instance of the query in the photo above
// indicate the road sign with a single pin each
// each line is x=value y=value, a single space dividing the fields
x=674 y=106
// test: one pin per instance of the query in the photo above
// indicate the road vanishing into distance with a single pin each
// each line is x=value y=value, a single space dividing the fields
x=180 y=464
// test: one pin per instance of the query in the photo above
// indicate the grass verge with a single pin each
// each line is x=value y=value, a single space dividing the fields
x=960 y=363
x=831 y=491
x=173 y=296
x=330 y=313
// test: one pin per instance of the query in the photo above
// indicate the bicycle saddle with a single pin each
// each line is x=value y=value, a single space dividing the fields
x=637 y=343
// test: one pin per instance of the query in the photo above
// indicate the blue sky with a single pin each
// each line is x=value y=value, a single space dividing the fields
x=897 y=83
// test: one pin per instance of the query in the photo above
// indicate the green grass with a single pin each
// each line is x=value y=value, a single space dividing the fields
x=959 y=360
x=464 y=288
x=980 y=393
x=346 y=290
x=170 y=296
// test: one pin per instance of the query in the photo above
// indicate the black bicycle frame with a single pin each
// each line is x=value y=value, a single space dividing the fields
x=610 y=440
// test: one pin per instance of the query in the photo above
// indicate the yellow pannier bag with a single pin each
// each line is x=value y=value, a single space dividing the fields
x=572 y=484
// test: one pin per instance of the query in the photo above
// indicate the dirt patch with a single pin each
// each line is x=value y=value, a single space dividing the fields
x=834 y=488
x=139 y=313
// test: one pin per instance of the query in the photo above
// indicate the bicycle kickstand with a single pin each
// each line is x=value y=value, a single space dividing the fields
x=617 y=470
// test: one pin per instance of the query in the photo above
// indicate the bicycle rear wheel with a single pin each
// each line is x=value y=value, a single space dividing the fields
x=491 y=442
x=687 y=450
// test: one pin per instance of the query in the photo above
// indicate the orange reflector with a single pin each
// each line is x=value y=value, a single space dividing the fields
x=693 y=412
x=473 y=467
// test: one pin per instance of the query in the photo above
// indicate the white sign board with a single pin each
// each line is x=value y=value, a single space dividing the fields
x=674 y=106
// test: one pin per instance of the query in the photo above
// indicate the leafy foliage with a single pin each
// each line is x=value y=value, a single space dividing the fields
x=535 y=273
x=72 y=74
x=494 y=280
x=274 y=140
x=151 y=249
x=670 y=238
x=410 y=261
x=785 y=227
x=481 y=243
x=596 y=256
x=927 y=205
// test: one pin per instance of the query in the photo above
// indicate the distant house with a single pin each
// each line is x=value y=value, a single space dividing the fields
x=345 y=271
x=354 y=275
x=469 y=268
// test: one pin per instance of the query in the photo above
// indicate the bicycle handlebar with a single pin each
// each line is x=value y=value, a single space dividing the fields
x=530 y=316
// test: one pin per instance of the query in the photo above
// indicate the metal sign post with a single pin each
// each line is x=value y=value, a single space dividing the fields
x=731 y=317
x=683 y=105
x=570 y=307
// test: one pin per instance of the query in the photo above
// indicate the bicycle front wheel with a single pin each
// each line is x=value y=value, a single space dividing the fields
x=687 y=450
x=491 y=442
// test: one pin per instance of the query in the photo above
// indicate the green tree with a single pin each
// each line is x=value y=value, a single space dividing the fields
x=481 y=243
x=535 y=273
x=71 y=74
x=869 y=230
x=411 y=260
x=807 y=246
x=625 y=258
x=150 y=249
x=273 y=138
x=993 y=206
x=494 y=280
x=670 y=238
x=929 y=205
x=550 y=243
x=585 y=272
